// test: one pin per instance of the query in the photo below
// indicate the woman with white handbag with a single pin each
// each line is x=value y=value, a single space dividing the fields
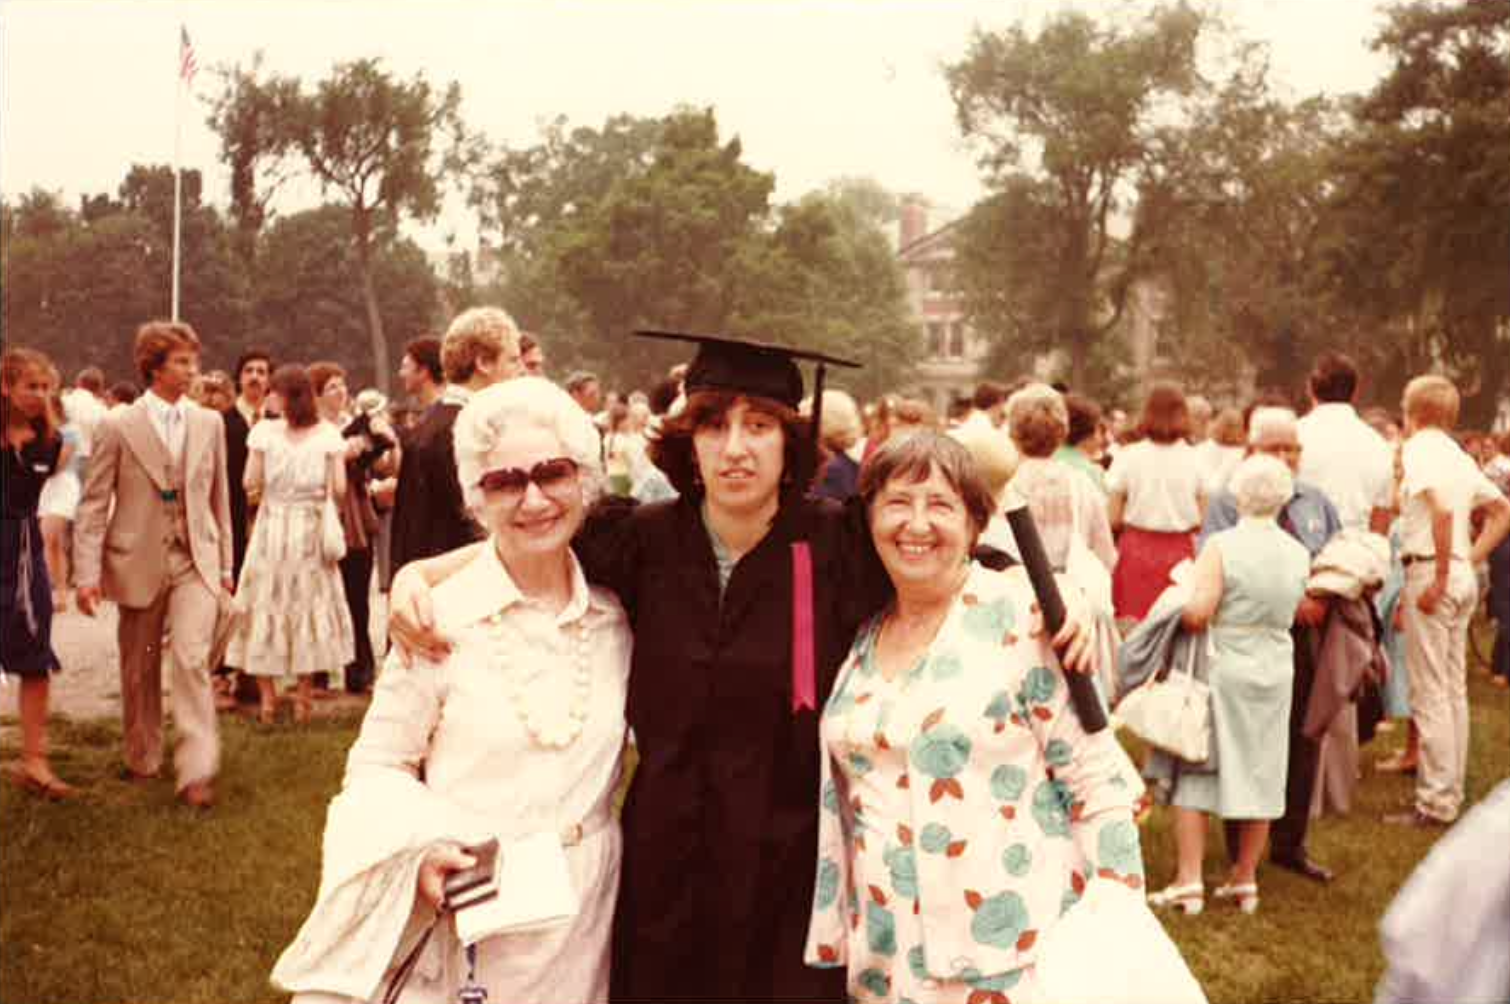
x=1247 y=584
x=292 y=618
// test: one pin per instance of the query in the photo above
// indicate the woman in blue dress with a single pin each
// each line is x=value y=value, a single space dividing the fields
x=32 y=449
x=1248 y=582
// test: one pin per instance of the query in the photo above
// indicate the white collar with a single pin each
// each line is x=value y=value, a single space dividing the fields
x=484 y=587
x=162 y=408
x=455 y=393
x=1337 y=409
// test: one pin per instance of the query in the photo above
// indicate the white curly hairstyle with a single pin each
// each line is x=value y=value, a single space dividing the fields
x=1261 y=486
x=493 y=412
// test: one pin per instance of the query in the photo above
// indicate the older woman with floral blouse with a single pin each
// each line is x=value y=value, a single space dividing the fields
x=964 y=808
x=517 y=734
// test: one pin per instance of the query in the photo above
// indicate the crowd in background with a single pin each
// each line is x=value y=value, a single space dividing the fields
x=1317 y=566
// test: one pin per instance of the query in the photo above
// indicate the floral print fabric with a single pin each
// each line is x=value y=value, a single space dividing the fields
x=963 y=809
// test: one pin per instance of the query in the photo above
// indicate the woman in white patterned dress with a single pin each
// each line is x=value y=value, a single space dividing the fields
x=293 y=619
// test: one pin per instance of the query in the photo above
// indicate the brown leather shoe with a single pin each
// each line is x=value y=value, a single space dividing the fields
x=198 y=795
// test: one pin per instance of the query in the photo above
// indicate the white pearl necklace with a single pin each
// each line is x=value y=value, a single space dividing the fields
x=552 y=728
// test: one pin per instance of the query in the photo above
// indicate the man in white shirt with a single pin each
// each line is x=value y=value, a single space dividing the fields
x=988 y=408
x=1440 y=489
x=85 y=408
x=1341 y=454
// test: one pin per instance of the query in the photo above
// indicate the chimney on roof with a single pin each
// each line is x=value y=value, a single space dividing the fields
x=914 y=222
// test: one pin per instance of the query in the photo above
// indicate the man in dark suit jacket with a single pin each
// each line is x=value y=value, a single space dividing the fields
x=253 y=371
x=481 y=348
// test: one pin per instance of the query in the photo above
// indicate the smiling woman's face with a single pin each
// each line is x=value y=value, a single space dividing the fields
x=543 y=518
x=740 y=455
x=921 y=531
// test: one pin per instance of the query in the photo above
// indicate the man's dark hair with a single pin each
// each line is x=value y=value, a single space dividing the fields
x=988 y=394
x=124 y=392
x=425 y=351
x=250 y=356
x=960 y=408
x=1085 y=418
x=1334 y=378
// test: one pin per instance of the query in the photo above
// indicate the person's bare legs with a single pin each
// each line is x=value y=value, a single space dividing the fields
x=1253 y=835
x=35 y=692
x=267 y=703
x=1190 y=845
x=304 y=695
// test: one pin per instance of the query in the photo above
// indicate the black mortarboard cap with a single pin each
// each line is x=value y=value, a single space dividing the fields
x=746 y=367
x=755 y=368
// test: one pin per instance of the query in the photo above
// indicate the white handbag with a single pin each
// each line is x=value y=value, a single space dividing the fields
x=332 y=534
x=1174 y=713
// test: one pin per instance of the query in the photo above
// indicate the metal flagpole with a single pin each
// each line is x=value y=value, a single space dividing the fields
x=177 y=181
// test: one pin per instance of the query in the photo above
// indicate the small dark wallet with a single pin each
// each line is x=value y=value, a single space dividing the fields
x=476 y=884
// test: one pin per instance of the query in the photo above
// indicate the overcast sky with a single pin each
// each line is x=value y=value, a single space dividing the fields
x=816 y=89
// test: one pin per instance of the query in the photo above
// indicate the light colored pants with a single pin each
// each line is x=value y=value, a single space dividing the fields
x=187 y=608
x=1436 y=659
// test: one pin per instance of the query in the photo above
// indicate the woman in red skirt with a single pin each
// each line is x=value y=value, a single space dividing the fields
x=1156 y=502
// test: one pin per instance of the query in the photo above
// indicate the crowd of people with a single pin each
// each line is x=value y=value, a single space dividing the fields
x=857 y=769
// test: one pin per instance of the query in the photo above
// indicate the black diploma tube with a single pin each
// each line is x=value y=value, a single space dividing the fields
x=1030 y=548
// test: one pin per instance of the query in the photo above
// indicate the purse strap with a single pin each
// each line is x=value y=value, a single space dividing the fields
x=406 y=967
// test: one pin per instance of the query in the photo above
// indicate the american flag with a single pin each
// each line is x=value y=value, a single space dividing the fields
x=187 y=66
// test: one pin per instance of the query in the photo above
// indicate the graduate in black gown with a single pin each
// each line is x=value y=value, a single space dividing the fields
x=744 y=595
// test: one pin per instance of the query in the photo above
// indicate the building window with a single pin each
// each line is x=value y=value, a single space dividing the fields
x=935 y=340
x=956 y=341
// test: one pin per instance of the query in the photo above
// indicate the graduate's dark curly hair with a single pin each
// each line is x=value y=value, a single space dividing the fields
x=671 y=448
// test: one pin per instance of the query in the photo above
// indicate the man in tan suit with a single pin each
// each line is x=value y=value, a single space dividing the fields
x=163 y=554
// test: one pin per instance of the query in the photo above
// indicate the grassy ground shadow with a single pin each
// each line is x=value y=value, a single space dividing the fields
x=126 y=896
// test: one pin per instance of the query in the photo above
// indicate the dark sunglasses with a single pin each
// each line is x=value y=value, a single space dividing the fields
x=552 y=475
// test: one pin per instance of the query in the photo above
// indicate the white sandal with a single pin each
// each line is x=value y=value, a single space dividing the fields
x=1246 y=895
x=1188 y=899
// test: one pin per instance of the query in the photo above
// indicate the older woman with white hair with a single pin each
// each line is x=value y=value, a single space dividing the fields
x=517 y=734
x=1247 y=584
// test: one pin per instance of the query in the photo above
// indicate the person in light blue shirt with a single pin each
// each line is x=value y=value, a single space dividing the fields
x=1311 y=519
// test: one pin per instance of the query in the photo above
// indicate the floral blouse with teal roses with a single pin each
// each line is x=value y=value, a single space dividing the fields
x=963 y=808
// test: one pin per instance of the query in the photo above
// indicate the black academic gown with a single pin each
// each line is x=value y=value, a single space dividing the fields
x=236 y=433
x=429 y=514
x=720 y=828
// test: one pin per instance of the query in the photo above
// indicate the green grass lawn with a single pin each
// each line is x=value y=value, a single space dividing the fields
x=126 y=896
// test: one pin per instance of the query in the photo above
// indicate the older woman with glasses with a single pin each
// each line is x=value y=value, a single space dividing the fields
x=516 y=734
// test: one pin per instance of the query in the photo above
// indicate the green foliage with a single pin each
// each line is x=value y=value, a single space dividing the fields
x=308 y=293
x=1065 y=122
x=77 y=284
x=384 y=147
x=659 y=222
x=1421 y=203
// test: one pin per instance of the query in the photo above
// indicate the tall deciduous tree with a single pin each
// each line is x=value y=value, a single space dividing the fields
x=1422 y=198
x=384 y=147
x=669 y=247
x=307 y=292
x=249 y=117
x=1064 y=122
x=78 y=283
